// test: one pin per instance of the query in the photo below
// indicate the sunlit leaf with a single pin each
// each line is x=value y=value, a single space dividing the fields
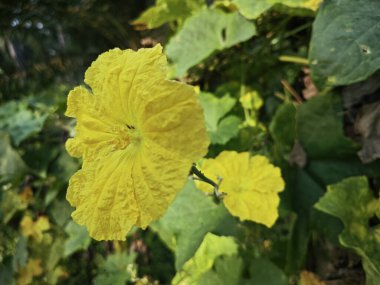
x=165 y=11
x=220 y=129
x=205 y=32
x=212 y=247
x=353 y=202
x=252 y=9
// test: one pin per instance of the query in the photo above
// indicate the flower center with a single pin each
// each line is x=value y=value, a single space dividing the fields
x=126 y=135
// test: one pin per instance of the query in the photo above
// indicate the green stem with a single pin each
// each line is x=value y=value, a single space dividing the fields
x=194 y=170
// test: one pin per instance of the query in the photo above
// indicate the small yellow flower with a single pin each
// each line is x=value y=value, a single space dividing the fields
x=33 y=268
x=251 y=185
x=138 y=134
x=29 y=228
x=26 y=195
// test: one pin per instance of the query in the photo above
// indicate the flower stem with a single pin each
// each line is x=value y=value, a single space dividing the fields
x=194 y=170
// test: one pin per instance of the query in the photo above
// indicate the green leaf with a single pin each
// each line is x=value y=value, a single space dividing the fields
x=61 y=211
x=168 y=11
x=253 y=9
x=10 y=204
x=320 y=128
x=227 y=129
x=78 y=238
x=8 y=243
x=21 y=255
x=191 y=216
x=205 y=32
x=263 y=271
x=12 y=167
x=62 y=168
x=301 y=192
x=212 y=247
x=226 y=271
x=283 y=127
x=6 y=273
x=55 y=254
x=344 y=44
x=332 y=170
x=19 y=121
x=354 y=203
x=117 y=269
x=220 y=129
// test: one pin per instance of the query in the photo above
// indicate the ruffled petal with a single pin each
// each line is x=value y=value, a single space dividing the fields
x=254 y=206
x=119 y=78
x=175 y=120
x=157 y=176
x=268 y=179
x=104 y=197
x=94 y=131
x=251 y=185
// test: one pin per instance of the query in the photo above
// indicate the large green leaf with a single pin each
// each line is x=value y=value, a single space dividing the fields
x=165 y=11
x=332 y=170
x=300 y=194
x=205 y=32
x=354 y=203
x=252 y=9
x=220 y=129
x=212 y=247
x=283 y=127
x=191 y=216
x=344 y=47
x=320 y=128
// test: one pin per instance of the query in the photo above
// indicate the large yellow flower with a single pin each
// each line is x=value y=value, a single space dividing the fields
x=251 y=185
x=138 y=134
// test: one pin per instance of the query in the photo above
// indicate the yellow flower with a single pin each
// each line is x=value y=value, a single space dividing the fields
x=138 y=134
x=251 y=185
x=34 y=229
x=33 y=268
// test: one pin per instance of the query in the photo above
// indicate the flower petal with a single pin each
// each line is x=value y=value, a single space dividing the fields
x=93 y=131
x=103 y=195
x=254 y=206
x=175 y=120
x=157 y=176
x=120 y=77
x=251 y=184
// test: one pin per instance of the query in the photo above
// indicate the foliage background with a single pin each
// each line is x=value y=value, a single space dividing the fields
x=278 y=78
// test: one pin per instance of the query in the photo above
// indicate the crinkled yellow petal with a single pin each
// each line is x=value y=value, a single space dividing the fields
x=104 y=197
x=95 y=131
x=158 y=175
x=175 y=121
x=251 y=185
x=138 y=135
x=121 y=77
